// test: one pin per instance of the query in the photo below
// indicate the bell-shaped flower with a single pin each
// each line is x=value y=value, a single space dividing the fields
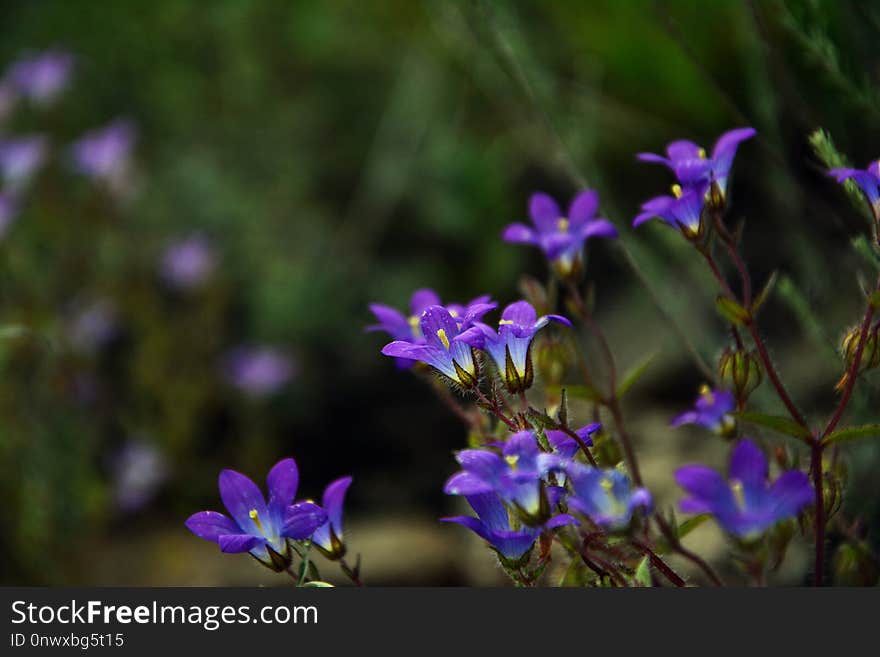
x=510 y=346
x=712 y=410
x=682 y=210
x=328 y=537
x=258 y=527
x=561 y=236
x=745 y=504
x=439 y=347
x=606 y=496
x=511 y=540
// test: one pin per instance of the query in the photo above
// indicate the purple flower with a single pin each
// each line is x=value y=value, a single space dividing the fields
x=867 y=179
x=561 y=237
x=139 y=468
x=745 y=505
x=408 y=327
x=493 y=524
x=256 y=526
x=605 y=496
x=8 y=212
x=516 y=476
x=712 y=410
x=92 y=326
x=44 y=76
x=690 y=165
x=566 y=446
x=258 y=371
x=21 y=158
x=439 y=348
x=188 y=263
x=682 y=210
x=510 y=346
x=328 y=537
x=104 y=154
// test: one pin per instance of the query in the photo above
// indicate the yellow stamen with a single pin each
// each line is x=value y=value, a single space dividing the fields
x=256 y=518
x=453 y=313
x=676 y=191
x=702 y=153
x=441 y=333
x=606 y=485
x=501 y=322
x=706 y=392
x=738 y=494
x=512 y=460
x=413 y=321
x=562 y=224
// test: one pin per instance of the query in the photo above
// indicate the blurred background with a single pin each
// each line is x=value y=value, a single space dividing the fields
x=199 y=200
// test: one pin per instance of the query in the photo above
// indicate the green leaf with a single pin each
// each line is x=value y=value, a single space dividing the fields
x=587 y=393
x=731 y=310
x=13 y=331
x=691 y=524
x=776 y=423
x=634 y=374
x=642 y=576
x=852 y=433
x=765 y=292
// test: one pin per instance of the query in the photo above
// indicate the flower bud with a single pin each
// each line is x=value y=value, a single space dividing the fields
x=741 y=371
x=870 y=352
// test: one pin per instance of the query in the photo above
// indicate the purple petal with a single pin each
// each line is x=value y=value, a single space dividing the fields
x=599 y=228
x=583 y=207
x=683 y=149
x=235 y=543
x=409 y=350
x=282 y=482
x=653 y=157
x=520 y=314
x=519 y=234
x=474 y=336
x=491 y=510
x=333 y=501
x=561 y=520
x=704 y=484
x=544 y=212
x=210 y=525
x=467 y=483
x=790 y=493
x=725 y=147
x=240 y=495
x=302 y=519
x=434 y=319
x=748 y=465
x=390 y=320
x=421 y=299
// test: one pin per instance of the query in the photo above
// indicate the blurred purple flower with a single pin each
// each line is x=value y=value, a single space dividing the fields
x=104 y=154
x=510 y=346
x=605 y=496
x=92 y=326
x=711 y=410
x=258 y=371
x=561 y=237
x=21 y=158
x=43 y=76
x=682 y=210
x=139 y=469
x=188 y=263
x=493 y=524
x=256 y=526
x=691 y=166
x=328 y=537
x=746 y=505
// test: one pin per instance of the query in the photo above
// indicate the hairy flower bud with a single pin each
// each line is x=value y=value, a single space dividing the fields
x=870 y=352
x=741 y=371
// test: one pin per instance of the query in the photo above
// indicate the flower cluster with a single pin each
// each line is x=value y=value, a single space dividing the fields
x=268 y=530
x=519 y=491
x=700 y=179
